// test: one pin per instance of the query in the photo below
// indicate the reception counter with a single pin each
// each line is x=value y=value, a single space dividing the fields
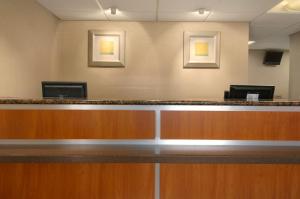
x=149 y=149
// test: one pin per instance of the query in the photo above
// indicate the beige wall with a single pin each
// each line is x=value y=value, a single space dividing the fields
x=260 y=74
x=154 y=60
x=36 y=46
x=27 y=39
x=295 y=66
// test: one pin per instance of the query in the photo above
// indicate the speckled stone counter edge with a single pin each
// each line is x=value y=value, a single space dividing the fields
x=151 y=102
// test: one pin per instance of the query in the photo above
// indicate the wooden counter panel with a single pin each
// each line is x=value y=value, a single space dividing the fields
x=230 y=181
x=230 y=125
x=76 y=124
x=77 y=181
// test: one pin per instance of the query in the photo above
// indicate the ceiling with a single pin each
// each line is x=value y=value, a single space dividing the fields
x=272 y=30
x=269 y=30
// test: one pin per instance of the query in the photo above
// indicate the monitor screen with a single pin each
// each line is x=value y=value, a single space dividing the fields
x=241 y=91
x=64 y=90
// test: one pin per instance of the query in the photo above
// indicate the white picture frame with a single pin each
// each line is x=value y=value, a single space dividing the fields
x=202 y=49
x=106 y=48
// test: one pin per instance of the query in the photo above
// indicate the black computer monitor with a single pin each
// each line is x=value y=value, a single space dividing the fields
x=241 y=91
x=64 y=90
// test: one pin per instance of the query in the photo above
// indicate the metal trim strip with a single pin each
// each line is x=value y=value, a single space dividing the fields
x=162 y=142
x=150 y=107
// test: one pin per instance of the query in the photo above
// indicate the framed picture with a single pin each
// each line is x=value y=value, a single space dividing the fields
x=106 y=48
x=202 y=49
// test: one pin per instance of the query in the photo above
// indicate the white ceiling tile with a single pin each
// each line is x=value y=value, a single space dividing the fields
x=279 y=19
x=184 y=6
x=270 y=29
x=181 y=16
x=80 y=15
x=131 y=16
x=236 y=6
x=266 y=27
x=74 y=9
x=70 y=4
x=219 y=16
x=130 y=5
x=239 y=6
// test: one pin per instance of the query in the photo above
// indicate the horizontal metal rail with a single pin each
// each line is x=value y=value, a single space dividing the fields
x=150 y=151
x=148 y=142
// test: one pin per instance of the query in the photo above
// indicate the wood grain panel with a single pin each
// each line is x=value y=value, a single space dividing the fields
x=230 y=181
x=76 y=181
x=231 y=125
x=76 y=124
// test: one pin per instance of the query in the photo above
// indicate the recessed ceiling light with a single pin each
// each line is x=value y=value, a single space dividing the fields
x=203 y=11
x=251 y=42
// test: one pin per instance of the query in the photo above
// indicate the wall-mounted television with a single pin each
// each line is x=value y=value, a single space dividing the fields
x=64 y=90
x=273 y=58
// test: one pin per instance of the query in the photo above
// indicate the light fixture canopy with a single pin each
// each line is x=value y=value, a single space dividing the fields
x=113 y=10
x=203 y=11
x=251 y=42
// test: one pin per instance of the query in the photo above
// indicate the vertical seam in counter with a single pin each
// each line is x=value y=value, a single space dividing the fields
x=157 y=165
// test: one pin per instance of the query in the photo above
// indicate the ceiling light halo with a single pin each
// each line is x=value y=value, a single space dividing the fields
x=287 y=6
x=293 y=6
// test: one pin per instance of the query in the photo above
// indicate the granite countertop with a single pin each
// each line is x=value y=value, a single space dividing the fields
x=151 y=102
